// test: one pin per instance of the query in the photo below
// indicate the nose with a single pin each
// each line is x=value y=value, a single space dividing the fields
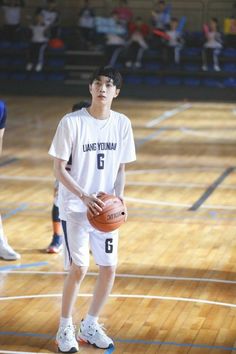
x=102 y=88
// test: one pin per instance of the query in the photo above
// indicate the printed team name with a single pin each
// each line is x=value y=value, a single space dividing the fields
x=99 y=146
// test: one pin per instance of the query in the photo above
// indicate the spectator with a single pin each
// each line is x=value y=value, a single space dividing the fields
x=115 y=40
x=12 y=19
x=175 y=41
x=39 y=40
x=213 y=45
x=51 y=18
x=137 y=43
x=161 y=15
x=86 y=25
x=123 y=12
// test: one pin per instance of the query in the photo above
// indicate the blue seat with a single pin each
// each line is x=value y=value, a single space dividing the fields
x=191 y=81
x=192 y=52
x=229 y=67
x=56 y=62
x=56 y=76
x=212 y=82
x=18 y=76
x=152 y=66
x=229 y=53
x=37 y=76
x=191 y=67
x=172 y=81
x=5 y=44
x=133 y=79
x=230 y=82
x=152 y=80
x=20 y=45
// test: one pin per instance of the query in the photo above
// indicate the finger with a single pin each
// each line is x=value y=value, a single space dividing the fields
x=99 y=202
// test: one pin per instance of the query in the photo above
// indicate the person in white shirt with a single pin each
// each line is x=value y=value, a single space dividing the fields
x=12 y=19
x=51 y=18
x=100 y=143
x=38 y=44
x=174 y=42
x=213 y=45
x=6 y=251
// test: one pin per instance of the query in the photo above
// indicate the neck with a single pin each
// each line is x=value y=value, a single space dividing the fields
x=99 y=112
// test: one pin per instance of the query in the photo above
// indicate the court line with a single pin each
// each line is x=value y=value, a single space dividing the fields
x=119 y=340
x=168 y=114
x=16 y=352
x=123 y=275
x=202 y=134
x=22 y=206
x=125 y=296
x=142 y=141
x=211 y=189
x=8 y=161
x=175 y=185
x=180 y=205
x=22 y=266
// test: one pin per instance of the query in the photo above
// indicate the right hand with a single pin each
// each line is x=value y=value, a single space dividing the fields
x=93 y=203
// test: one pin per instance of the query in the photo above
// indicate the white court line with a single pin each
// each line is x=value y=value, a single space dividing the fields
x=168 y=114
x=125 y=296
x=193 y=132
x=27 y=178
x=179 y=205
x=120 y=275
x=175 y=185
x=16 y=352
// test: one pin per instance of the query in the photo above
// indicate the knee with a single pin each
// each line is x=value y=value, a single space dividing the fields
x=107 y=271
x=78 y=272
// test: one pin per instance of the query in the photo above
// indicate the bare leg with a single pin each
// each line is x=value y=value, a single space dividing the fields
x=102 y=289
x=71 y=288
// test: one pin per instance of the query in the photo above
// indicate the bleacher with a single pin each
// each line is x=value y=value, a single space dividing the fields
x=72 y=66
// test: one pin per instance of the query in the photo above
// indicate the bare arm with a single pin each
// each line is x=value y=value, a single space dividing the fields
x=91 y=201
x=120 y=182
x=1 y=139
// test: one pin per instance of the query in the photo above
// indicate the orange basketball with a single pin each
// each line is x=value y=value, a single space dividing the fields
x=113 y=214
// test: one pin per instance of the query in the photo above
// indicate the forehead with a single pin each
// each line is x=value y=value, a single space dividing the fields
x=104 y=79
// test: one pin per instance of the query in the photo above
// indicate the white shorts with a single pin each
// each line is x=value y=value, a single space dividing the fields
x=80 y=237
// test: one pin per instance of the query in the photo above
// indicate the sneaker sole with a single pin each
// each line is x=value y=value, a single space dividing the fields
x=81 y=340
x=72 y=350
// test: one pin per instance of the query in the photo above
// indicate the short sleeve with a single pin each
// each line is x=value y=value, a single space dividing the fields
x=3 y=115
x=61 y=146
x=128 y=147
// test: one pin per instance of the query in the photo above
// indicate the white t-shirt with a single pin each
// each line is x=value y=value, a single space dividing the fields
x=97 y=148
x=12 y=15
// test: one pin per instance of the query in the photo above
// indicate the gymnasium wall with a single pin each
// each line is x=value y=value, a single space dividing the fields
x=196 y=11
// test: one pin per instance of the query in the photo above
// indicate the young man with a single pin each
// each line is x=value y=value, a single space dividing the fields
x=100 y=142
x=55 y=245
x=6 y=252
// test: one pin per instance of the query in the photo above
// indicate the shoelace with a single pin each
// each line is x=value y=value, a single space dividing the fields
x=69 y=332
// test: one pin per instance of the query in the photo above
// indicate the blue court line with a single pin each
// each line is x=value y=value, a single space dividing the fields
x=21 y=207
x=110 y=350
x=128 y=341
x=22 y=266
x=8 y=161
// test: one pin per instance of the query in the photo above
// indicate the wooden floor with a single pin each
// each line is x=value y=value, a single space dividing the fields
x=175 y=290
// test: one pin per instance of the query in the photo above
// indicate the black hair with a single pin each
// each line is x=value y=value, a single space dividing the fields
x=79 y=105
x=110 y=72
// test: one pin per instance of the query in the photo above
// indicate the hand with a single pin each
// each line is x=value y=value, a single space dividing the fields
x=93 y=203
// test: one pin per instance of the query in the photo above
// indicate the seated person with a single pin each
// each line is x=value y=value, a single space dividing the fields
x=213 y=45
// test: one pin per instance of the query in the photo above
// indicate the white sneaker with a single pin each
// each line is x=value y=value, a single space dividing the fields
x=137 y=64
x=7 y=252
x=128 y=64
x=94 y=334
x=204 y=68
x=66 y=341
x=38 y=67
x=29 y=66
x=216 y=68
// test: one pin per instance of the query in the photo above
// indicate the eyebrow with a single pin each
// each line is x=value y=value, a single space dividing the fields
x=108 y=80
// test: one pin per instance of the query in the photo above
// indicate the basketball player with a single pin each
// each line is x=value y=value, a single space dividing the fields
x=56 y=243
x=101 y=143
x=6 y=251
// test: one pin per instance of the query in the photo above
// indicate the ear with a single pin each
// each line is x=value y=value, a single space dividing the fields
x=117 y=93
x=90 y=88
